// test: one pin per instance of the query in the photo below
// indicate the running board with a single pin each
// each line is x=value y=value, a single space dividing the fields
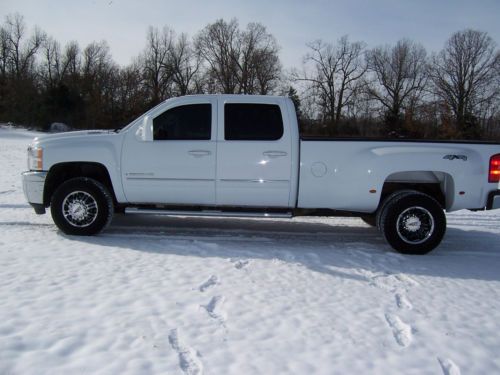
x=210 y=213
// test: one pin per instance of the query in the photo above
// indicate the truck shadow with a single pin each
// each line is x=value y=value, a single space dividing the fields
x=342 y=247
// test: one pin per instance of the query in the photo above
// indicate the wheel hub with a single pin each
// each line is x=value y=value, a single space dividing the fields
x=77 y=210
x=412 y=224
x=415 y=225
x=80 y=209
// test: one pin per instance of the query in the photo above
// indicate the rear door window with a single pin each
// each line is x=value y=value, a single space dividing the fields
x=252 y=122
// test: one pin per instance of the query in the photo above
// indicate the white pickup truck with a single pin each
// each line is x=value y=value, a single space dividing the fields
x=232 y=155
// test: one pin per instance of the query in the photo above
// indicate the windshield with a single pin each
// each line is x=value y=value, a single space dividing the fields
x=144 y=114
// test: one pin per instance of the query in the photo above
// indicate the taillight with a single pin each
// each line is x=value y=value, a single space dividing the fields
x=494 y=174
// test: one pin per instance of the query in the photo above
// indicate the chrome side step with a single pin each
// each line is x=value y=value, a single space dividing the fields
x=210 y=213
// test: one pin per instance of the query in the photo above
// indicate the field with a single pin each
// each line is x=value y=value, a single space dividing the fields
x=156 y=295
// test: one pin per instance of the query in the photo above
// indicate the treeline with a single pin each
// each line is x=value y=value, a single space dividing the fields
x=342 y=89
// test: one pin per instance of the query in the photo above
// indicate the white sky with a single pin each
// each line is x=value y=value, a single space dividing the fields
x=123 y=23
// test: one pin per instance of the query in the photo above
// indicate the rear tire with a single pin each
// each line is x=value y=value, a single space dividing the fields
x=384 y=203
x=81 y=206
x=412 y=222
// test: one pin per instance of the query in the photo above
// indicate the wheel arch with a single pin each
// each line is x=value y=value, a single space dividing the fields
x=61 y=172
x=439 y=185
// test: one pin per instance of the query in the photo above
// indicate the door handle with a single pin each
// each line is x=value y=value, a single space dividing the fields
x=199 y=153
x=274 y=154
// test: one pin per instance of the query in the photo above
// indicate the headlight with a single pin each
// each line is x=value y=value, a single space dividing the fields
x=35 y=158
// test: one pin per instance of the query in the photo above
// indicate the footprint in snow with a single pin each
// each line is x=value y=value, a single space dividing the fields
x=189 y=360
x=402 y=302
x=392 y=282
x=407 y=279
x=214 y=308
x=400 y=330
x=449 y=367
x=212 y=280
x=6 y=192
x=240 y=263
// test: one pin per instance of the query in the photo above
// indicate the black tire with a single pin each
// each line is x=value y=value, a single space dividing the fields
x=120 y=210
x=371 y=220
x=384 y=203
x=412 y=222
x=82 y=206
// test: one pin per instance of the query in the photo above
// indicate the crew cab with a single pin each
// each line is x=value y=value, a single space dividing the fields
x=239 y=155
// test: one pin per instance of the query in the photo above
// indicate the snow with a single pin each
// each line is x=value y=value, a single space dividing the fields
x=156 y=295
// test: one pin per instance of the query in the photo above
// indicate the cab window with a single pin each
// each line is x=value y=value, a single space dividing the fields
x=187 y=122
x=252 y=122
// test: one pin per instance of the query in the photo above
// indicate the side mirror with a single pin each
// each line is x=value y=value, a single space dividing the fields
x=145 y=130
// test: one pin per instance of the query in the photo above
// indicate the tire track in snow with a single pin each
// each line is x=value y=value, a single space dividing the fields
x=25 y=224
x=15 y=206
x=253 y=236
x=189 y=359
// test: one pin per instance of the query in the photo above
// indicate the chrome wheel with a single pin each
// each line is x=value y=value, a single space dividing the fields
x=415 y=225
x=80 y=209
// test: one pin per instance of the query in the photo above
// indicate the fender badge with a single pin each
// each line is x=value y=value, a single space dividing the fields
x=453 y=157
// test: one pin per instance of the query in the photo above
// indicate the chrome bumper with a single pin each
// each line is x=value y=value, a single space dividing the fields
x=33 y=183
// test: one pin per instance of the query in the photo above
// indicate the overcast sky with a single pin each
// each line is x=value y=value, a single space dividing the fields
x=123 y=23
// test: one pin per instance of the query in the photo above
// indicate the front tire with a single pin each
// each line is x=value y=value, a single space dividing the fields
x=371 y=220
x=81 y=206
x=412 y=222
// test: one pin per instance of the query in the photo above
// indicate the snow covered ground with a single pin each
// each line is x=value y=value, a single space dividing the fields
x=157 y=295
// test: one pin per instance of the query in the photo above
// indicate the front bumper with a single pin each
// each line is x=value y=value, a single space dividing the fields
x=33 y=184
x=493 y=200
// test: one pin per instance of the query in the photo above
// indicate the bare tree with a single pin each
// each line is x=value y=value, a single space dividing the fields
x=99 y=74
x=218 y=44
x=465 y=75
x=71 y=61
x=97 y=60
x=130 y=94
x=18 y=85
x=258 y=64
x=333 y=75
x=185 y=64
x=157 y=69
x=4 y=52
x=268 y=71
x=22 y=54
x=50 y=69
x=400 y=77
x=239 y=62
